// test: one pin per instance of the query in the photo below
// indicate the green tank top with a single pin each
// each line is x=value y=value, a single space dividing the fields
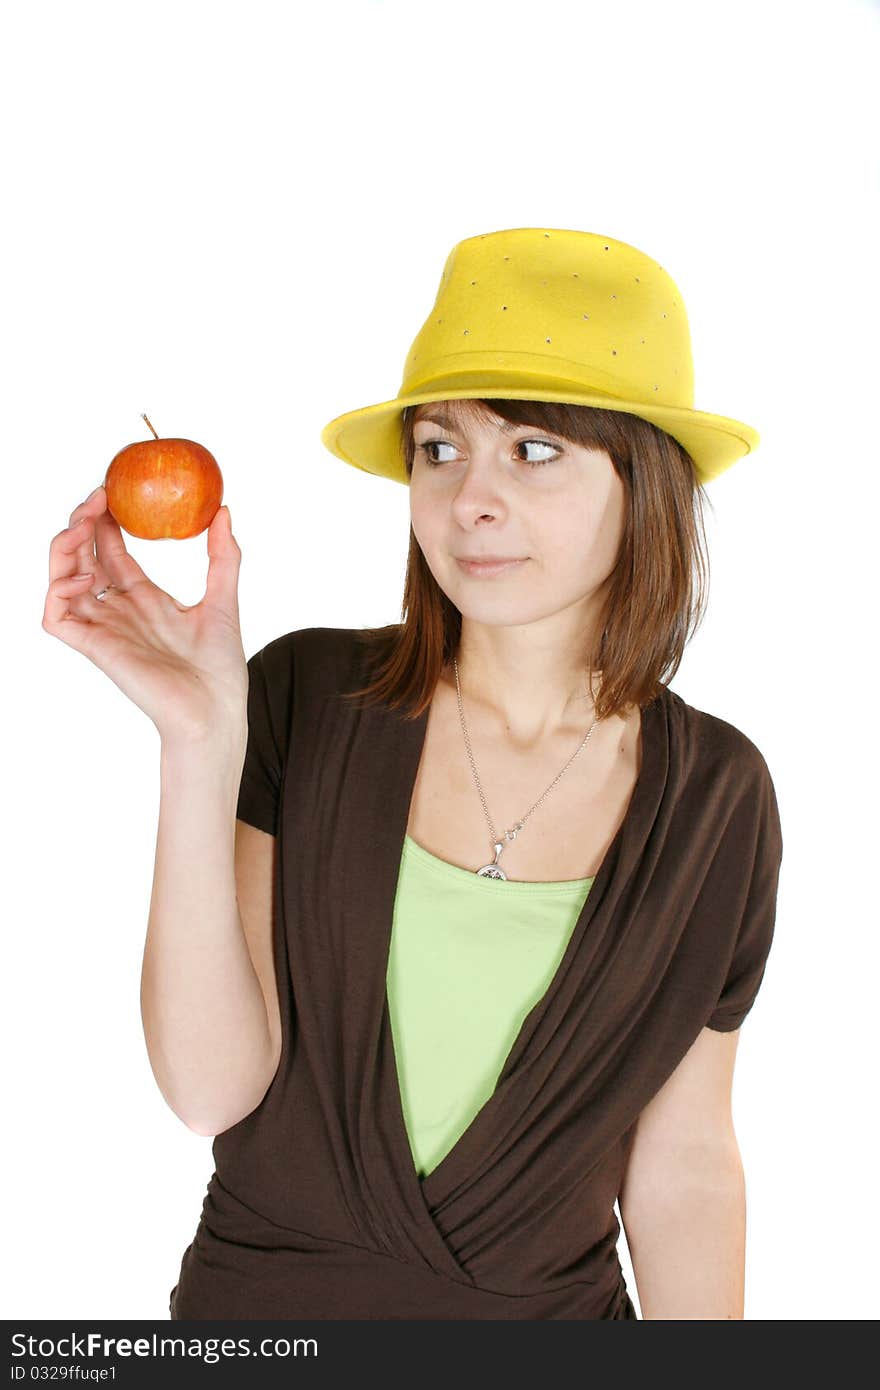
x=469 y=957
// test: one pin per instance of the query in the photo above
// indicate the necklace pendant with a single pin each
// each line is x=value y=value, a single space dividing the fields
x=493 y=870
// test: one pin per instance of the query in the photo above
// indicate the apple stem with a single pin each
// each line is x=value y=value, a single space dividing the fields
x=155 y=436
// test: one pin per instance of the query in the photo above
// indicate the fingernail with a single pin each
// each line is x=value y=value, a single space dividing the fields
x=92 y=494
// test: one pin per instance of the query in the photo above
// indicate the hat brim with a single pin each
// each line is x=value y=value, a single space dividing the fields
x=369 y=438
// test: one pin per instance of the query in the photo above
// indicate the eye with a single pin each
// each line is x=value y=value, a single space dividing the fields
x=433 y=444
x=433 y=462
x=541 y=444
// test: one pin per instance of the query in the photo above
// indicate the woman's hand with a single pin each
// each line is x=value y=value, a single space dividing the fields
x=184 y=667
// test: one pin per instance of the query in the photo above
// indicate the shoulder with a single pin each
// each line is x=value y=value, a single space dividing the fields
x=310 y=655
x=713 y=748
x=721 y=793
x=310 y=642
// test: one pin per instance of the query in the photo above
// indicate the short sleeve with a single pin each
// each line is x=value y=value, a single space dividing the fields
x=762 y=855
x=270 y=695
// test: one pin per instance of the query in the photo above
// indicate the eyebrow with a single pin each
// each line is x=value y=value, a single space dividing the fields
x=444 y=419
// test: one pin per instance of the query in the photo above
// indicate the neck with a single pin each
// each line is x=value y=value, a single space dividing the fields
x=526 y=692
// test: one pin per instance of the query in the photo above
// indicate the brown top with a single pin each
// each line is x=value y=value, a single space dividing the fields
x=315 y=1209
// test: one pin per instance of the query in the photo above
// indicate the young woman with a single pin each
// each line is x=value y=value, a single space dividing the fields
x=455 y=921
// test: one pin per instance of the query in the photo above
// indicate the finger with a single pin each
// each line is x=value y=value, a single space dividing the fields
x=71 y=551
x=68 y=555
x=93 y=504
x=86 y=560
x=57 y=611
x=91 y=508
x=224 y=560
x=113 y=558
x=107 y=559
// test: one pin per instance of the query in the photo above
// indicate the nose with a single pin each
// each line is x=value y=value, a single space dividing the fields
x=480 y=490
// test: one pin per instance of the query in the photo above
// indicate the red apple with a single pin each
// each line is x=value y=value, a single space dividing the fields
x=164 y=488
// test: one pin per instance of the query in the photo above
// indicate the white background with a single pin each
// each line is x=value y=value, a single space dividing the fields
x=234 y=218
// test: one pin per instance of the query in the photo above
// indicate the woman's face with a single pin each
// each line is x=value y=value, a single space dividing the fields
x=485 y=487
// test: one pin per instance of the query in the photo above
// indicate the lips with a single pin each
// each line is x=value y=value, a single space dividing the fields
x=487 y=568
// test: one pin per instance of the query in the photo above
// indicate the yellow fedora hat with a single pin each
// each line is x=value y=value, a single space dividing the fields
x=538 y=313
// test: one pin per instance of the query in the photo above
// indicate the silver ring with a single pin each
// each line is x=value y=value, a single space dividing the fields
x=101 y=592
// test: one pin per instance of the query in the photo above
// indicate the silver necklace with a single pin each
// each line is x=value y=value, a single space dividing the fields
x=494 y=870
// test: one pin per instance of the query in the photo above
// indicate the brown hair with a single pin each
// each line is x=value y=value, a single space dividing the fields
x=656 y=595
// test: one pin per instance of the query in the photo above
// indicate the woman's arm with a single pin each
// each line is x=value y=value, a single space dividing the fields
x=212 y=1041
x=683 y=1203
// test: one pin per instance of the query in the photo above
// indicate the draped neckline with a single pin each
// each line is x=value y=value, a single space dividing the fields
x=406 y=736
